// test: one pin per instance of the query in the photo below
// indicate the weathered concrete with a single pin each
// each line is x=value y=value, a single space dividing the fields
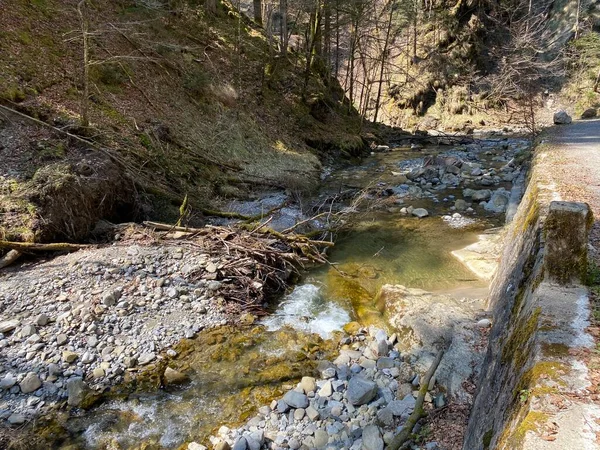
x=540 y=314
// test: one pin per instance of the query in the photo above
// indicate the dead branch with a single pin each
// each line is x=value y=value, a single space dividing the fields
x=36 y=247
x=9 y=258
x=418 y=413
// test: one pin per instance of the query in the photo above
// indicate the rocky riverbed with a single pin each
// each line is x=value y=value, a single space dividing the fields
x=76 y=324
x=359 y=401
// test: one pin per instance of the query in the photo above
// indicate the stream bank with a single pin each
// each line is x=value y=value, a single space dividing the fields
x=386 y=244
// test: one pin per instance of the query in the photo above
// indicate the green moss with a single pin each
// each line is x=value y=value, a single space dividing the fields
x=533 y=421
x=516 y=349
x=563 y=231
x=487 y=438
x=13 y=93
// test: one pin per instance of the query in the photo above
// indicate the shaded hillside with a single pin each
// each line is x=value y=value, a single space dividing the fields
x=181 y=103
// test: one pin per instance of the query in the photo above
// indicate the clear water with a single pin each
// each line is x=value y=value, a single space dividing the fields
x=234 y=370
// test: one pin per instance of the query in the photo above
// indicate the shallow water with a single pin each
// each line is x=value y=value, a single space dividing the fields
x=235 y=370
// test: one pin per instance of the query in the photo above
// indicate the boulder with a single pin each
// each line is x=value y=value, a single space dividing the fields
x=361 y=391
x=562 y=118
x=589 y=113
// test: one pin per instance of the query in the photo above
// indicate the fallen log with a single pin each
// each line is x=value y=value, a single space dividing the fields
x=37 y=247
x=418 y=413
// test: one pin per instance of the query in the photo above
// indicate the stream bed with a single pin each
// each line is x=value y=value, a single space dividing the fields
x=233 y=370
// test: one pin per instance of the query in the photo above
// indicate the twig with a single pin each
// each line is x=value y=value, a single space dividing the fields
x=9 y=258
x=418 y=412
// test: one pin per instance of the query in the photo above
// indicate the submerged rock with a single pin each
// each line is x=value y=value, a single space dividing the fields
x=420 y=213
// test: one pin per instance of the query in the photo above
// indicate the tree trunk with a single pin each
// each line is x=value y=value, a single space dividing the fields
x=211 y=7
x=337 y=38
x=327 y=35
x=283 y=10
x=258 y=11
x=312 y=37
x=85 y=121
x=383 y=60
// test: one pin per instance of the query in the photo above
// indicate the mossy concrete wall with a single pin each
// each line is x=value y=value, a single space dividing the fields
x=539 y=317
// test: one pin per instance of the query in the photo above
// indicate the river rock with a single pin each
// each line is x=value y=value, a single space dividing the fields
x=461 y=205
x=402 y=407
x=321 y=438
x=482 y=194
x=326 y=390
x=222 y=445
x=42 y=320
x=69 y=356
x=562 y=118
x=30 y=383
x=295 y=399
x=240 y=444
x=172 y=376
x=195 y=446
x=8 y=381
x=146 y=358
x=16 y=419
x=308 y=384
x=420 y=213
x=8 y=325
x=76 y=389
x=361 y=391
x=498 y=201
x=312 y=413
x=371 y=438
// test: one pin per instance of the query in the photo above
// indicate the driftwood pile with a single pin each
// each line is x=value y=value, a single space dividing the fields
x=256 y=263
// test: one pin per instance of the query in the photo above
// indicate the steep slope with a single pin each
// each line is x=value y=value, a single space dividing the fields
x=181 y=103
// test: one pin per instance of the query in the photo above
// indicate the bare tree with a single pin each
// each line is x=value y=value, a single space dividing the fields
x=85 y=98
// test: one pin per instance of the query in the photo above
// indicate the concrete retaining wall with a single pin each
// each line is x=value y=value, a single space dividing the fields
x=540 y=311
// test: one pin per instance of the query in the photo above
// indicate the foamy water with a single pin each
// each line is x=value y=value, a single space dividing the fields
x=305 y=309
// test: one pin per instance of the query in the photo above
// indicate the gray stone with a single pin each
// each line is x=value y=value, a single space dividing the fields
x=371 y=438
x=385 y=363
x=8 y=325
x=561 y=117
x=42 y=320
x=295 y=399
x=361 y=391
x=385 y=417
x=240 y=444
x=28 y=330
x=30 y=383
x=321 y=439
x=146 y=358
x=402 y=407
x=420 y=213
x=312 y=413
x=326 y=390
x=16 y=419
x=87 y=358
x=76 y=389
x=61 y=339
x=460 y=205
x=481 y=195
